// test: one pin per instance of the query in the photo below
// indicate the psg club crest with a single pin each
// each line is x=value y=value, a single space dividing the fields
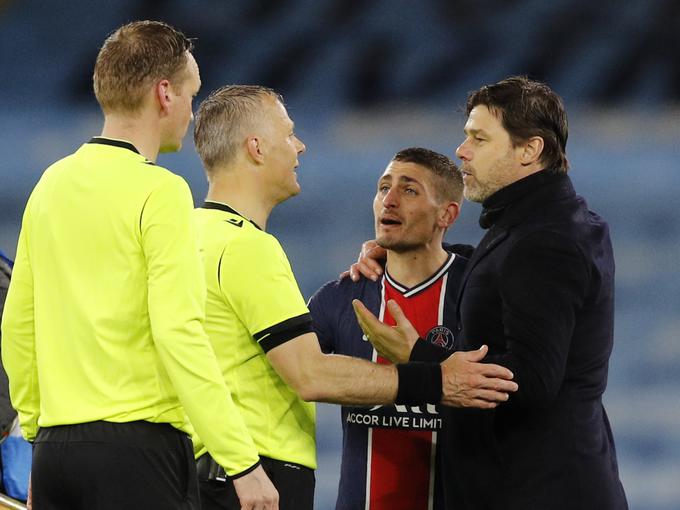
x=441 y=336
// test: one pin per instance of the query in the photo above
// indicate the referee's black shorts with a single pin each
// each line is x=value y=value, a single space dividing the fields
x=294 y=482
x=106 y=466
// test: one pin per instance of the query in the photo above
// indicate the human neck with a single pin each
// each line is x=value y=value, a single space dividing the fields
x=140 y=131
x=231 y=187
x=415 y=266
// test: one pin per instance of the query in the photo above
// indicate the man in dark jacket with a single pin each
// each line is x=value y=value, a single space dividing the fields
x=539 y=290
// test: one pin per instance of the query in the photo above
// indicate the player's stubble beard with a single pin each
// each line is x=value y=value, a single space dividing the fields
x=400 y=245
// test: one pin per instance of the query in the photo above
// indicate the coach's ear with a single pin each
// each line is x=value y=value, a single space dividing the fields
x=448 y=214
x=532 y=150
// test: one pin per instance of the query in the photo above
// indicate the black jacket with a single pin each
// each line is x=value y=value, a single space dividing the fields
x=539 y=290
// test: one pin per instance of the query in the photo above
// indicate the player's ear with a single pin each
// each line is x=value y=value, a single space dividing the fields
x=449 y=212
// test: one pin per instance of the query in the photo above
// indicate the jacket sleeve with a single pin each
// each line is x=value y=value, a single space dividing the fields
x=18 y=338
x=176 y=301
x=544 y=281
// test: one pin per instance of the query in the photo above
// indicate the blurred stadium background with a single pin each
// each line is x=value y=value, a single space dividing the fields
x=365 y=78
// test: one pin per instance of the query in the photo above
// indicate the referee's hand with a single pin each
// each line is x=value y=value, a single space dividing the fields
x=256 y=492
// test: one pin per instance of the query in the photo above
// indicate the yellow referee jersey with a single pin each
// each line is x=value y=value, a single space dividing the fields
x=254 y=304
x=104 y=315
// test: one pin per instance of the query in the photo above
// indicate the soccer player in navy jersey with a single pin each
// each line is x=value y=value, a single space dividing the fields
x=389 y=452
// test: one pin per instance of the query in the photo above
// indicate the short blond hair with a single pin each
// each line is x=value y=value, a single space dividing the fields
x=222 y=118
x=133 y=58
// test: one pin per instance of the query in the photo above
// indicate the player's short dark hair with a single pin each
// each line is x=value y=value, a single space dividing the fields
x=222 y=119
x=528 y=108
x=133 y=58
x=448 y=179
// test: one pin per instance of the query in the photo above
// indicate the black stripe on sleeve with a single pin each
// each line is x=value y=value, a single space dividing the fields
x=283 y=331
x=249 y=470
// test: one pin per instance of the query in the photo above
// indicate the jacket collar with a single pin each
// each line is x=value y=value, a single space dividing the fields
x=515 y=201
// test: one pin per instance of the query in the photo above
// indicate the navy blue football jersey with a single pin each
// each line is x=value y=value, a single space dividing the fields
x=389 y=455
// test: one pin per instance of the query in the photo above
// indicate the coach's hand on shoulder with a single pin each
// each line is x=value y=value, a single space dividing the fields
x=256 y=492
x=392 y=342
x=369 y=264
x=466 y=382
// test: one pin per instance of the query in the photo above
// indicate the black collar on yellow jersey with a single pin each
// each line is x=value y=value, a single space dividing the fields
x=224 y=207
x=114 y=143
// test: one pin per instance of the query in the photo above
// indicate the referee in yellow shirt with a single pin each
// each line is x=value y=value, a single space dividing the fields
x=257 y=319
x=102 y=333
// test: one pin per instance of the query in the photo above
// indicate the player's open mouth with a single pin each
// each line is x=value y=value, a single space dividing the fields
x=389 y=221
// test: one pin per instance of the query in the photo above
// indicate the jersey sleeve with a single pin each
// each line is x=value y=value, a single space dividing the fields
x=322 y=307
x=18 y=338
x=176 y=302
x=256 y=279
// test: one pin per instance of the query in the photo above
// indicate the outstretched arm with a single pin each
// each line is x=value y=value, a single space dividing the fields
x=334 y=378
x=463 y=382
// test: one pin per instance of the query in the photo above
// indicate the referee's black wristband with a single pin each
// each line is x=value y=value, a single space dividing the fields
x=419 y=383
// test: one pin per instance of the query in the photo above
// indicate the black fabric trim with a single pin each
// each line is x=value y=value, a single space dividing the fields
x=114 y=143
x=425 y=351
x=249 y=470
x=208 y=469
x=419 y=383
x=224 y=207
x=283 y=331
x=464 y=250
